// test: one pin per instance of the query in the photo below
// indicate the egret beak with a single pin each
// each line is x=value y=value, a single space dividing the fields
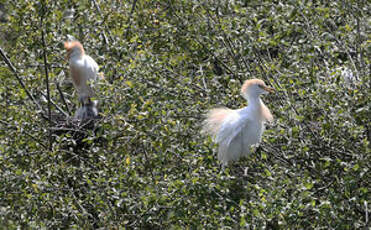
x=269 y=89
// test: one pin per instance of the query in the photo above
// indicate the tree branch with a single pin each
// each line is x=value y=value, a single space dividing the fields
x=46 y=75
x=14 y=71
x=47 y=85
x=129 y=19
x=99 y=11
x=62 y=98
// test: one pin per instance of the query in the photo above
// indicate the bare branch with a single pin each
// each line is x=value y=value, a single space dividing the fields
x=55 y=105
x=129 y=19
x=62 y=98
x=46 y=74
x=14 y=71
x=100 y=12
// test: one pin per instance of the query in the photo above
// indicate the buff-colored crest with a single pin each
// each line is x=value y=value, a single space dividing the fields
x=248 y=83
x=69 y=45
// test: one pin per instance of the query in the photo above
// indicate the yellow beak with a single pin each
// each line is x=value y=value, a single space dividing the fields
x=269 y=89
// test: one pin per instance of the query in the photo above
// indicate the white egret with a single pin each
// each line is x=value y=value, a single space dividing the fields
x=83 y=69
x=237 y=130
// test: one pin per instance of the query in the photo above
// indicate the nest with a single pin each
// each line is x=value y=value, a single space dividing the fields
x=76 y=136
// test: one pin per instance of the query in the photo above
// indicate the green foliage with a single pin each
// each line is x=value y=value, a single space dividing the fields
x=166 y=63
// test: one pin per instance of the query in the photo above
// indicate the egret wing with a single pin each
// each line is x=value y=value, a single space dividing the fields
x=92 y=68
x=231 y=127
x=231 y=137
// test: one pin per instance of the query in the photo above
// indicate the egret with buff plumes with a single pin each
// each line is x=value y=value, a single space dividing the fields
x=237 y=130
x=83 y=69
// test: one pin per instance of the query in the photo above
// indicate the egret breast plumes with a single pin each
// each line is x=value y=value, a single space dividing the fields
x=237 y=130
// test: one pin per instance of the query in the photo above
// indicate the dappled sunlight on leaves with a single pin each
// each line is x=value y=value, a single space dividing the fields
x=144 y=164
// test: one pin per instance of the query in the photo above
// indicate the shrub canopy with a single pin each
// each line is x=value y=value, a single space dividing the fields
x=166 y=63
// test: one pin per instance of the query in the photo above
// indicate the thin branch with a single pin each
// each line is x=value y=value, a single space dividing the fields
x=62 y=98
x=231 y=49
x=57 y=83
x=359 y=42
x=129 y=19
x=180 y=82
x=100 y=13
x=55 y=105
x=14 y=71
x=46 y=75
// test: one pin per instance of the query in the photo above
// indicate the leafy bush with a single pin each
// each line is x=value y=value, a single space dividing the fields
x=166 y=63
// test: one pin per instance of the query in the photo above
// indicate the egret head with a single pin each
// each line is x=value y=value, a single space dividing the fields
x=255 y=87
x=74 y=48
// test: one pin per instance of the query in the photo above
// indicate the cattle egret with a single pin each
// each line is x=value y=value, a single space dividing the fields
x=83 y=68
x=237 y=130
